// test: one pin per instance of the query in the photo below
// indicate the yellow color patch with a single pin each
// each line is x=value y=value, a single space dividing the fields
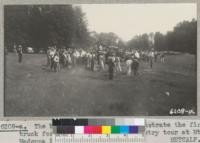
x=106 y=129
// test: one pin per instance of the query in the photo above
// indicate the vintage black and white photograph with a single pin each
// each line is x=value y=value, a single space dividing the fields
x=100 y=60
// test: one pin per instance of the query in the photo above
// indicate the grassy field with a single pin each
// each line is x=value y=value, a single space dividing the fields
x=32 y=90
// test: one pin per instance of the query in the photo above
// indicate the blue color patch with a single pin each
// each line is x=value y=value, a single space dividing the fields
x=124 y=129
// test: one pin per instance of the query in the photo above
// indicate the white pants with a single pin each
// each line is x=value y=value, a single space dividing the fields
x=102 y=65
x=118 y=67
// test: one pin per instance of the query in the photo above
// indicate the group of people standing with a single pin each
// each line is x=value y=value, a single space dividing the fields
x=97 y=60
x=68 y=58
x=115 y=63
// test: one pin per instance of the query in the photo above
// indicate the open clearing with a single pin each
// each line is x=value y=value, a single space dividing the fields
x=32 y=90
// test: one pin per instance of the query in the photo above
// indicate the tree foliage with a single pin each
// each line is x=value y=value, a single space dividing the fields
x=40 y=26
x=183 y=38
x=141 y=42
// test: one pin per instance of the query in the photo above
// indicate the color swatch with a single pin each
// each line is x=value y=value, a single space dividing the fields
x=98 y=126
x=103 y=121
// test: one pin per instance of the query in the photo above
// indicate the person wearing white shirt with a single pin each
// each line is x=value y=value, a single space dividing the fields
x=137 y=55
x=151 y=57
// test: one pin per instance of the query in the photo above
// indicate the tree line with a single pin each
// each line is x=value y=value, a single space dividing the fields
x=183 y=38
x=40 y=26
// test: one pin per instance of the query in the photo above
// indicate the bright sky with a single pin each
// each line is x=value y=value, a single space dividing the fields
x=128 y=20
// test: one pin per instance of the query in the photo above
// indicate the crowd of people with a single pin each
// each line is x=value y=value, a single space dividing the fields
x=101 y=59
x=110 y=60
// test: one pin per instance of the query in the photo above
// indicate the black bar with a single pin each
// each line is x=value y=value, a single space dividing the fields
x=67 y=122
x=81 y=122
x=63 y=122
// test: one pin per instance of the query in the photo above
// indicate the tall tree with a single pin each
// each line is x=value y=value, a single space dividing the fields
x=42 y=25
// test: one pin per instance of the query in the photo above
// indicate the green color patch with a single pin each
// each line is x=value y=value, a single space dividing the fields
x=115 y=129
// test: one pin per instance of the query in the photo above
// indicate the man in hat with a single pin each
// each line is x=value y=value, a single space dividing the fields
x=56 y=61
x=129 y=62
x=118 y=64
x=101 y=61
x=19 y=53
x=93 y=58
x=151 y=57
x=111 y=66
x=135 y=66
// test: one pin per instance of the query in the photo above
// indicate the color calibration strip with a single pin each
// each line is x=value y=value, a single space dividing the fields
x=98 y=126
x=98 y=129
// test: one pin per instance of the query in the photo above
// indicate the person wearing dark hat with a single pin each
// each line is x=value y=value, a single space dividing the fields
x=19 y=53
x=135 y=66
x=151 y=57
x=111 y=66
x=118 y=63
x=101 y=62
x=93 y=61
